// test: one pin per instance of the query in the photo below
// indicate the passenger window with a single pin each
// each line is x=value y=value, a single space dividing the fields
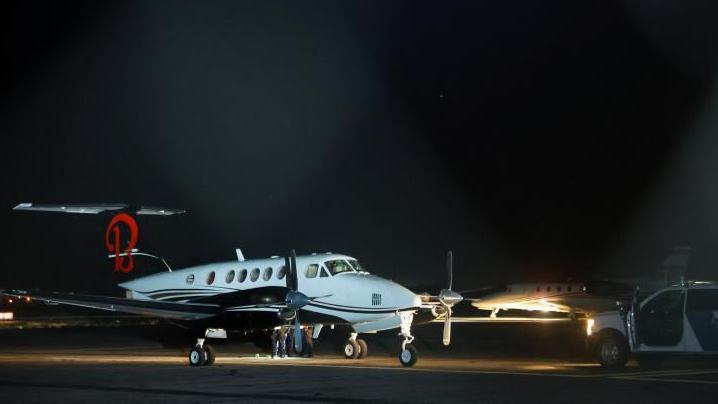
x=210 y=278
x=323 y=273
x=282 y=272
x=667 y=303
x=702 y=300
x=267 y=274
x=254 y=275
x=242 y=276
x=660 y=321
x=230 y=276
x=702 y=313
x=312 y=270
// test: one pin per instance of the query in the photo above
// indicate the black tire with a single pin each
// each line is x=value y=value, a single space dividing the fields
x=408 y=356
x=197 y=356
x=211 y=354
x=351 y=349
x=612 y=351
x=363 y=348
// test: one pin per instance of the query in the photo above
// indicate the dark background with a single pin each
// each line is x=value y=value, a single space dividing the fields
x=538 y=140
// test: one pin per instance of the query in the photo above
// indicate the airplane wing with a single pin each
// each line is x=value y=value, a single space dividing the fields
x=162 y=309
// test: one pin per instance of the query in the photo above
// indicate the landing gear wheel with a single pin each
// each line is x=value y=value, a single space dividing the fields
x=210 y=353
x=612 y=351
x=351 y=349
x=197 y=356
x=408 y=356
x=363 y=348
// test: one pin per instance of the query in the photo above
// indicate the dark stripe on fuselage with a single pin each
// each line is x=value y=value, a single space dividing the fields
x=339 y=306
x=361 y=310
x=171 y=294
x=208 y=289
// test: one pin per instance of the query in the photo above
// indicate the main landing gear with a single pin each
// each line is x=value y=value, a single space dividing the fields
x=355 y=348
x=202 y=354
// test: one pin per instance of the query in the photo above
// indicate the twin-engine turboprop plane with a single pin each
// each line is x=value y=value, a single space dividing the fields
x=260 y=294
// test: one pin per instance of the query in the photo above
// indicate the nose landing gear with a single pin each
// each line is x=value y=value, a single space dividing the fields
x=408 y=354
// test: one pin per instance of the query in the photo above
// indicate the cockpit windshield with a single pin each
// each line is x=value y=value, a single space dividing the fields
x=338 y=266
x=357 y=267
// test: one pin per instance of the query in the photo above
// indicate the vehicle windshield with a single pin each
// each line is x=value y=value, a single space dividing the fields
x=338 y=266
x=357 y=266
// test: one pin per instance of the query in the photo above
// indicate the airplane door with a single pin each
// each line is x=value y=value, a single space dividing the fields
x=660 y=322
x=702 y=313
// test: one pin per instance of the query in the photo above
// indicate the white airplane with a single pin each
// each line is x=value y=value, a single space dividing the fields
x=260 y=294
x=571 y=298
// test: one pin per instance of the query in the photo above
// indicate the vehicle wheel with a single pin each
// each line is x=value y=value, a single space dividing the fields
x=351 y=349
x=649 y=361
x=211 y=354
x=197 y=356
x=363 y=348
x=408 y=356
x=612 y=351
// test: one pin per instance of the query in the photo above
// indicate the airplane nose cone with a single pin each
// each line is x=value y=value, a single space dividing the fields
x=296 y=300
x=449 y=297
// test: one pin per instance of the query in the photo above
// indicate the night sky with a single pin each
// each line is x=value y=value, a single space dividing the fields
x=538 y=140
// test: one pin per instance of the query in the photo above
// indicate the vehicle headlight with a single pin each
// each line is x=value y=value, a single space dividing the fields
x=589 y=326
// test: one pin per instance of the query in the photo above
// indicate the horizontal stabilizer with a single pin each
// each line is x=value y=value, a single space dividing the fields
x=96 y=208
x=153 y=210
x=70 y=208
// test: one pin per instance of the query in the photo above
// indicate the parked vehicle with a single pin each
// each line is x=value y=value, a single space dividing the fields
x=680 y=319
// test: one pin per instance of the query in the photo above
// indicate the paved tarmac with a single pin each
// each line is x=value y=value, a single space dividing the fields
x=116 y=365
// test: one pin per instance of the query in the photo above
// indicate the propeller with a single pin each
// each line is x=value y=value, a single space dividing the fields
x=295 y=299
x=448 y=298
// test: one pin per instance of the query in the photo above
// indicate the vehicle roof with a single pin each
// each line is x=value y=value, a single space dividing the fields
x=696 y=285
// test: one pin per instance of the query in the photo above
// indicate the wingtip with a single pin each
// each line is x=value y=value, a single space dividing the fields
x=22 y=205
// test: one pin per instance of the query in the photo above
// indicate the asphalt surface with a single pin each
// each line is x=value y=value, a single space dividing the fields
x=486 y=363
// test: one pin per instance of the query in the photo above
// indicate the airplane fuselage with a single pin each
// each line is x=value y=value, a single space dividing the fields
x=341 y=292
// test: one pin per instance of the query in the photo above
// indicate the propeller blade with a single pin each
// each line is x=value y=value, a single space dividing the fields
x=447 y=328
x=320 y=297
x=450 y=266
x=293 y=263
x=297 y=334
x=288 y=274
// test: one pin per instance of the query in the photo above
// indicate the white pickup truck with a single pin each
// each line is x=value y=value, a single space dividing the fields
x=675 y=320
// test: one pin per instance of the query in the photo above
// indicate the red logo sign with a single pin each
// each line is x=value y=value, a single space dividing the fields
x=113 y=240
